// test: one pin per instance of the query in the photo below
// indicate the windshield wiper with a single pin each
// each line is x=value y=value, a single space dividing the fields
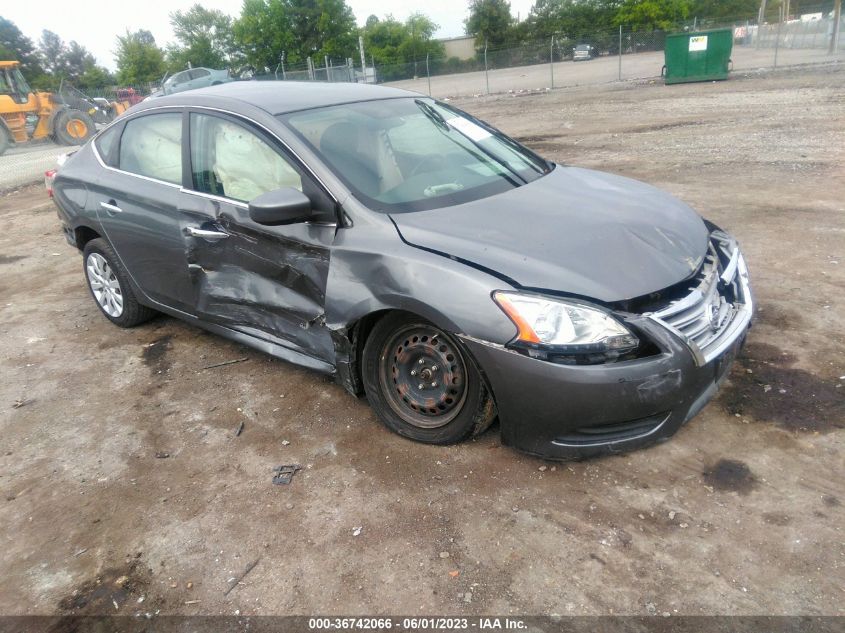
x=442 y=123
x=432 y=114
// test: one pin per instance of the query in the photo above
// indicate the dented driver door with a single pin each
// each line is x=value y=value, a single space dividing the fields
x=265 y=281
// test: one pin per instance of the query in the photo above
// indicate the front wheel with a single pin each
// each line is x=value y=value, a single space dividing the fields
x=73 y=127
x=422 y=384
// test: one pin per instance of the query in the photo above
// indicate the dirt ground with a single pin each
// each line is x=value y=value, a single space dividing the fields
x=126 y=490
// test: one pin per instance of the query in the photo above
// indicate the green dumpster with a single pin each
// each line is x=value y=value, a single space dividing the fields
x=698 y=56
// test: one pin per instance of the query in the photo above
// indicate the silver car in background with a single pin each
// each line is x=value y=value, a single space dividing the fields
x=195 y=78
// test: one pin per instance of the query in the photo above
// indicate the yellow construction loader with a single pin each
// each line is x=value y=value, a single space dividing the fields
x=67 y=117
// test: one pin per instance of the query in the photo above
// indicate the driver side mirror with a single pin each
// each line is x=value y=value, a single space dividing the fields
x=282 y=206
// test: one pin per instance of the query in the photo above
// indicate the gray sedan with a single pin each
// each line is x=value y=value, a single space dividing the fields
x=417 y=255
x=194 y=78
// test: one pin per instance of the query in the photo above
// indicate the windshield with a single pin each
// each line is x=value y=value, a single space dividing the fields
x=12 y=82
x=412 y=154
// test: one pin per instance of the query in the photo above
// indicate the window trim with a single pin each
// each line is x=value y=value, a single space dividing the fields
x=121 y=121
x=188 y=176
x=236 y=115
x=126 y=122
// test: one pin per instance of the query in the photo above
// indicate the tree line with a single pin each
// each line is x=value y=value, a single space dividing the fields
x=269 y=34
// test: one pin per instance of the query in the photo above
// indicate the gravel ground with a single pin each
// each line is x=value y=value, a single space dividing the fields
x=123 y=477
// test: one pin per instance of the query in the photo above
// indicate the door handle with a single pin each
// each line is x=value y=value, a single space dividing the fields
x=111 y=206
x=211 y=236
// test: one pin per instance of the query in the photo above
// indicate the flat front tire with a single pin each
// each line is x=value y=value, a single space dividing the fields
x=421 y=382
x=109 y=285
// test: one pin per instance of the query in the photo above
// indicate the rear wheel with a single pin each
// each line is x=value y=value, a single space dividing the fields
x=5 y=141
x=109 y=286
x=73 y=127
x=422 y=384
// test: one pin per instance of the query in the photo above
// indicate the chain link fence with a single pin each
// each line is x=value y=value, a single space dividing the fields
x=619 y=54
x=614 y=55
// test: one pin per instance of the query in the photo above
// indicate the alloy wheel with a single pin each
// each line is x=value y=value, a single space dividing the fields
x=104 y=285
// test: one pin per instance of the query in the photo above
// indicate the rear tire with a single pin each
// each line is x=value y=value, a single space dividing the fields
x=73 y=127
x=422 y=384
x=5 y=141
x=109 y=285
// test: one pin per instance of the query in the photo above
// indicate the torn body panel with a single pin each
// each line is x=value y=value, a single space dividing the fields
x=365 y=278
x=268 y=281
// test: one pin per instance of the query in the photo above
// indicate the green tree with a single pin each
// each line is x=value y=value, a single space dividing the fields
x=204 y=38
x=322 y=28
x=383 y=39
x=725 y=9
x=53 y=53
x=418 y=42
x=650 y=15
x=14 y=45
x=390 y=41
x=139 y=59
x=262 y=34
x=297 y=29
x=571 y=18
x=94 y=77
x=78 y=59
x=490 y=21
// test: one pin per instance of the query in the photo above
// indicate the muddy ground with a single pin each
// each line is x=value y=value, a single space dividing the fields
x=126 y=490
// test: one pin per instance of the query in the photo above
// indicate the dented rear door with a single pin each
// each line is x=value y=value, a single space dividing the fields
x=266 y=281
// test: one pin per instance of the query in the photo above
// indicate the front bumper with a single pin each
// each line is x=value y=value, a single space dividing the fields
x=573 y=412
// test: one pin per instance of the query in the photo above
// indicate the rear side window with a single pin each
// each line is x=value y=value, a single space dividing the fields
x=229 y=160
x=107 y=145
x=152 y=146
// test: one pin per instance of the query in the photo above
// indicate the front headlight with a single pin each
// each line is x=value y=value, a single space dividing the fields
x=563 y=325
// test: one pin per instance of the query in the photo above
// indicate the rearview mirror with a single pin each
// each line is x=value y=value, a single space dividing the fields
x=282 y=206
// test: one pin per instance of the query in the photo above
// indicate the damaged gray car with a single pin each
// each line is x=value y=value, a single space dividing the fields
x=416 y=254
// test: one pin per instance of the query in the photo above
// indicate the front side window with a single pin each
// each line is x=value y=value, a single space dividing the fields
x=227 y=159
x=151 y=146
x=412 y=154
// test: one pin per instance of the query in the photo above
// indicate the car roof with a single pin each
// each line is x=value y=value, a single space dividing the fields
x=280 y=97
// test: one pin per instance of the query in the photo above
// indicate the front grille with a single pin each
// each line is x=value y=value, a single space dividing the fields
x=717 y=308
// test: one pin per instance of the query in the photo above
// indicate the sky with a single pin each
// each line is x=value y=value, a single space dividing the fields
x=95 y=23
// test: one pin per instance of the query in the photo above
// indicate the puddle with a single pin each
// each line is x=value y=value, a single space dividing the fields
x=773 y=391
x=730 y=475
x=155 y=356
x=108 y=593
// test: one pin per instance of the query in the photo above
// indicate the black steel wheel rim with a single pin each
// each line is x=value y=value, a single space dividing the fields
x=423 y=375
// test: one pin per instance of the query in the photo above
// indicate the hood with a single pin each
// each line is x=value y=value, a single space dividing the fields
x=574 y=231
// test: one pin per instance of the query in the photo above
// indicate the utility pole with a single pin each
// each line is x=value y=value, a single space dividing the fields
x=761 y=17
x=552 y=60
x=486 y=76
x=428 y=73
x=837 y=18
x=363 y=59
x=620 y=52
